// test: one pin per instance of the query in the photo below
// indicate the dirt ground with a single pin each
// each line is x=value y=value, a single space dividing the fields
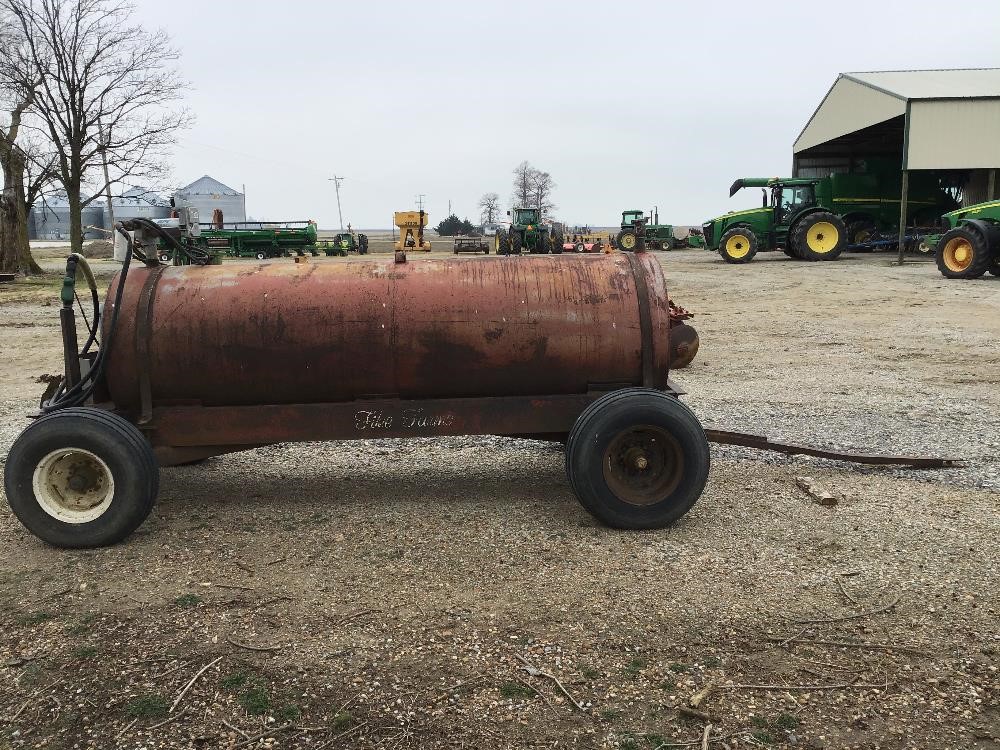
x=452 y=593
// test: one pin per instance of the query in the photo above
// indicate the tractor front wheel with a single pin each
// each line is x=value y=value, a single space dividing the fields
x=738 y=245
x=820 y=236
x=962 y=254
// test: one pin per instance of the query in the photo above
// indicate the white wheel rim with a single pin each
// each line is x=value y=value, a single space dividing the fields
x=73 y=485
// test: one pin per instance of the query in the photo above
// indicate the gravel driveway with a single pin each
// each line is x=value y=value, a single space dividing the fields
x=452 y=593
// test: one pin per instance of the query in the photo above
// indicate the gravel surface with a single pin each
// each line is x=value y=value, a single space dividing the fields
x=388 y=594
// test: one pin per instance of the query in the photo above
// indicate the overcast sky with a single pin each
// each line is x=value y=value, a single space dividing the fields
x=626 y=104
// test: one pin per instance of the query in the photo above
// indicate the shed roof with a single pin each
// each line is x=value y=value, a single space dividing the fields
x=968 y=83
x=945 y=119
x=206 y=185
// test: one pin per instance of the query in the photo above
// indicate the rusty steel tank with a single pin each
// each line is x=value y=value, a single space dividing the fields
x=275 y=333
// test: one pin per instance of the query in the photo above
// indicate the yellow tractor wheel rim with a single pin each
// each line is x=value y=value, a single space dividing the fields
x=822 y=237
x=738 y=246
x=958 y=254
x=628 y=241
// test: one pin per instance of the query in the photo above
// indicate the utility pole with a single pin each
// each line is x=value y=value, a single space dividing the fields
x=336 y=184
x=449 y=206
x=107 y=185
x=420 y=201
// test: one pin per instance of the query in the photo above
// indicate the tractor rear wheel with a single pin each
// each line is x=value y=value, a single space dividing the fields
x=557 y=245
x=819 y=236
x=738 y=245
x=962 y=253
x=502 y=243
x=626 y=240
x=789 y=251
x=516 y=243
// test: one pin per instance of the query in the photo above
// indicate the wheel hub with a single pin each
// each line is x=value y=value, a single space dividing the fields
x=643 y=465
x=73 y=485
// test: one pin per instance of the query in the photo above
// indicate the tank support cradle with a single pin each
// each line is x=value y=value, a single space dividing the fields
x=760 y=442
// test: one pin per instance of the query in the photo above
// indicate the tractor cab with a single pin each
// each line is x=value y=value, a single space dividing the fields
x=525 y=217
x=788 y=199
x=630 y=217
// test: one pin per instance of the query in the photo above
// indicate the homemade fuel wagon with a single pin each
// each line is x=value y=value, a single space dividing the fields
x=199 y=360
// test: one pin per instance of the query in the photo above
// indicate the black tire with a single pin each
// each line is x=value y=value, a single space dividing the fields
x=738 y=245
x=962 y=253
x=580 y=248
x=860 y=230
x=626 y=240
x=546 y=244
x=655 y=428
x=261 y=256
x=502 y=243
x=557 y=245
x=164 y=257
x=789 y=251
x=363 y=244
x=819 y=236
x=125 y=459
x=516 y=243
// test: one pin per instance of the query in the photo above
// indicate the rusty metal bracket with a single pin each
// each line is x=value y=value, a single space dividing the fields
x=645 y=320
x=143 y=335
x=760 y=442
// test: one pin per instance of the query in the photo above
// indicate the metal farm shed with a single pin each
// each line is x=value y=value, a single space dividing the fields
x=942 y=120
x=206 y=194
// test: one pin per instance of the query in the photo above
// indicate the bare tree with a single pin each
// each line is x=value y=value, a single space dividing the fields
x=532 y=188
x=17 y=92
x=108 y=90
x=523 y=178
x=489 y=206
x=541 y=192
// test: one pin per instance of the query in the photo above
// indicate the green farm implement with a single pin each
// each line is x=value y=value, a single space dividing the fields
x=255 y=239
x=525 y=233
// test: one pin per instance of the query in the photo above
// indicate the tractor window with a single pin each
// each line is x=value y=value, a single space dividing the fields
x=788 y=199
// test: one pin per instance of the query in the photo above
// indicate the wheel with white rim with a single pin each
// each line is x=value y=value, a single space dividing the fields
x=81 y=477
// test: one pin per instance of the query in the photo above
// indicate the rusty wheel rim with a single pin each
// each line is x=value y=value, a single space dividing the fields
x=643 y=465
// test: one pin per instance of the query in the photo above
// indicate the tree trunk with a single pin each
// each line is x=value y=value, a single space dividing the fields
x=15 y=252
x=75 y=216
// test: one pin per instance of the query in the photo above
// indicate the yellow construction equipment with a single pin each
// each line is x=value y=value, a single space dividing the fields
x=411 y=230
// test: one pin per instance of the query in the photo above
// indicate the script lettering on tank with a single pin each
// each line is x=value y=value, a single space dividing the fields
x=372 y=420
x=409 y=419
x=419 y=419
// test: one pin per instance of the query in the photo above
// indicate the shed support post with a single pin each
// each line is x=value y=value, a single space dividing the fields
x=902 y=214
x=991 y=190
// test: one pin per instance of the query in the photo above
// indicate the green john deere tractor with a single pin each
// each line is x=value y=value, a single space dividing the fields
x=971 y=246
x=346 y=242
x=525 y=233
x=796 y=219
x=658 y=236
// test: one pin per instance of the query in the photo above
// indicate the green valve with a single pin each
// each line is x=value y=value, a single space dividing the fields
x=68 y=289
